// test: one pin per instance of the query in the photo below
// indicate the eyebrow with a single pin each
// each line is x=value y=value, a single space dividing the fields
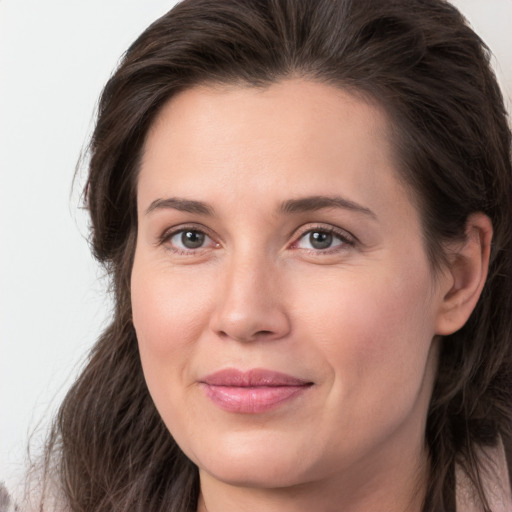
x=182 y=205
x=313 y=203
x=303 y=204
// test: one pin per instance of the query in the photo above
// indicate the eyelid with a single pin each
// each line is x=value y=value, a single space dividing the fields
x=345 y=236
x=170 y=232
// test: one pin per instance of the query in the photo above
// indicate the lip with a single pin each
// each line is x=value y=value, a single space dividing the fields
x=252 y=392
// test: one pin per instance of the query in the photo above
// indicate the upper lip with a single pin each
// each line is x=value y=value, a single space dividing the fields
x=257 y=377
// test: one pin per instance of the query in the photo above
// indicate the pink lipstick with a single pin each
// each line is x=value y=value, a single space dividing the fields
x=252 y=392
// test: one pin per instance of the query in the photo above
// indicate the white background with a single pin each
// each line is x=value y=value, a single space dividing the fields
x=55 y=57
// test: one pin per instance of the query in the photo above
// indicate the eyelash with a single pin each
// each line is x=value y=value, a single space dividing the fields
x=168 y=235
x=346 y=239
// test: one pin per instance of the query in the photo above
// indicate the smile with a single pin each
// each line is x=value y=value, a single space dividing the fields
x=252 y=392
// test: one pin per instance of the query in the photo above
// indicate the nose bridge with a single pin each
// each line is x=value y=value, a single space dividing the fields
x=249 y=304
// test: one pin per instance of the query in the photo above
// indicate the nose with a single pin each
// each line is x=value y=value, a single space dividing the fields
x=250 y=304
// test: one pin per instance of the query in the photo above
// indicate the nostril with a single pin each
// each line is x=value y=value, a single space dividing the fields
x=256 y=335
x=263 y=333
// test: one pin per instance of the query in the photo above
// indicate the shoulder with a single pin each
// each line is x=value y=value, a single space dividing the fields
x=496 y=482
x=25 y=501
x=6 y=503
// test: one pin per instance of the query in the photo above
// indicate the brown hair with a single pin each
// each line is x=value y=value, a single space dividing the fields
x=430 y=71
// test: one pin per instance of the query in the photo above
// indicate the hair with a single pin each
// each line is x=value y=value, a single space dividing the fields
x=431 y=73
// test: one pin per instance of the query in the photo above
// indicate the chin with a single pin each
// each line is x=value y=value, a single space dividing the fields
x=254 y=464
x=246 y=474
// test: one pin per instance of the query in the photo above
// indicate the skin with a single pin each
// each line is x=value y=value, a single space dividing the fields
x=358 y=319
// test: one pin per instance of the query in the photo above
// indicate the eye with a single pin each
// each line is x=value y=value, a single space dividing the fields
x=187 y=240
x=323 y=239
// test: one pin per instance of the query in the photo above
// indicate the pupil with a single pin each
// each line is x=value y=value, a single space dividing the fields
x=192 y=239
x=320 y=240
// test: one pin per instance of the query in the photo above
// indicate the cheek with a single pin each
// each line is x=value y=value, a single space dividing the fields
x=168 y=312
x=375 y=336
x=169 y=315
x=375 y=328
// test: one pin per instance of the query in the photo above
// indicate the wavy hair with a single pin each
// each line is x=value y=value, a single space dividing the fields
x=426 y=67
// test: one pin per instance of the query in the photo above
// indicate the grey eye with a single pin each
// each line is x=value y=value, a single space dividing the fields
x=189 y=239
x=192 y=239
x=320 y=239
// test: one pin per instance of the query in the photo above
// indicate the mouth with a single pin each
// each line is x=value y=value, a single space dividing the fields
x=252 y=392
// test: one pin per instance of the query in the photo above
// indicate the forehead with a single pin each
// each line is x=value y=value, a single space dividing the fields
x=292 y=138
x=295 y=107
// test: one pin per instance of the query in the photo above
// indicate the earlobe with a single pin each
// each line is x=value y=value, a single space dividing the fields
x=466 y=275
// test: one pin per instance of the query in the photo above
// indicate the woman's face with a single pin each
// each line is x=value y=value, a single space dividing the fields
x=283 y=302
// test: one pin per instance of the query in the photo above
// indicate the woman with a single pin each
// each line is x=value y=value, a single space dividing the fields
x=305 y=208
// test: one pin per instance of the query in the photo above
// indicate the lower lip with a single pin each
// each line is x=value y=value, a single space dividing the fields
x=254 y=399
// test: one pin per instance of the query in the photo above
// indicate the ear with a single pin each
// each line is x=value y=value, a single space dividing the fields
x=466 y=274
